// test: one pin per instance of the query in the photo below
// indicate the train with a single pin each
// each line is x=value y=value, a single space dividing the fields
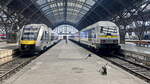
x=36 y=38
x=54 y=37
x=103 y=35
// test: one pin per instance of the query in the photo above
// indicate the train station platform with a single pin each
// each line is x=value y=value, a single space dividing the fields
x=6 y=51
x=70 y=64
x=139 y=54
x=5 y=45
x=133 y=48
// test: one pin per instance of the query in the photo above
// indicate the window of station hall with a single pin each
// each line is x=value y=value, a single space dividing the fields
x=65 y=30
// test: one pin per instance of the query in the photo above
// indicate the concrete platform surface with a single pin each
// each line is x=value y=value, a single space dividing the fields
x=134 y=48
x=12 y=46
x=68 y=64
x=6 y=51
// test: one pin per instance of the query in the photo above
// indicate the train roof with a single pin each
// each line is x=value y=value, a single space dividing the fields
x=36 y=25
x=106 y=23
x=100 y=23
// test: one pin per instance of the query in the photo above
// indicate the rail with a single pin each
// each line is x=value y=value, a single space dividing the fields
x=133 y=68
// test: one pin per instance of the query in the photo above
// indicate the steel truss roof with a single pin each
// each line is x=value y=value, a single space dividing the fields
x=58 y=11
x=78 y=13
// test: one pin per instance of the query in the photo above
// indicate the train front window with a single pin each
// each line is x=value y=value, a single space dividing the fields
x=30 y=33
x=101 y=30
x=108 y=29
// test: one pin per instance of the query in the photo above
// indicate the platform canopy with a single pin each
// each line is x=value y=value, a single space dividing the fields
x=64 y=11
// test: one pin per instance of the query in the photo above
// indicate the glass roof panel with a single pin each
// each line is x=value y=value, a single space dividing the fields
x=90 y=2
x=65 y=10
x=45 y=8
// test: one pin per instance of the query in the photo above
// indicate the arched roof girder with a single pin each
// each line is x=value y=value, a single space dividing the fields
x=69 y=7
x=65 y=9
x=56 y=1
x=77 y=9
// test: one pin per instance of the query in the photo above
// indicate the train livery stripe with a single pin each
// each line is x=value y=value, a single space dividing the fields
x=103 y=36
x=29 y=42
x=107 y=36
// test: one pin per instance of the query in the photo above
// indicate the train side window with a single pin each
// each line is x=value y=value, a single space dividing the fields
x=115 y=29
x=93 y=33
x=47 y=36
x=101 y=30
x=43 y=36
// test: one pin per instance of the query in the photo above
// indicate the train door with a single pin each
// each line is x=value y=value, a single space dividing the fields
x=44 y=40
x=98 y=29
x=98 y=32
x=93 y=36
x=50 y=37
x=90 y=36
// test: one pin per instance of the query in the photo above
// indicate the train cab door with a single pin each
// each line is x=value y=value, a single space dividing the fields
x=93 y=36
x=97 y=38
x=44 y=40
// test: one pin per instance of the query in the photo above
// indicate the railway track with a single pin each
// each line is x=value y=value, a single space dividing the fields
x=11 y=67
x=134 y=68
x=127 y=64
